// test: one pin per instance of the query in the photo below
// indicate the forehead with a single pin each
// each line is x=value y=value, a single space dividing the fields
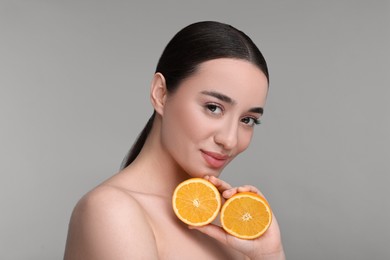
x=238 y=79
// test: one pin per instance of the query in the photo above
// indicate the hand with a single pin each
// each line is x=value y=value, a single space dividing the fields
x=267 y=246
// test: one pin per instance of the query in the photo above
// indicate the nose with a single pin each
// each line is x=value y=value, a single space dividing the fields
x=227 y=136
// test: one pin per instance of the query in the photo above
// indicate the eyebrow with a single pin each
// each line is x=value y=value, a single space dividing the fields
x=220 y=96
x=224 y=98
x=258 y=110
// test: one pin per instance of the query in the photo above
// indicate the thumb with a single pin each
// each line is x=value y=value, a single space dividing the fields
x=213 y=231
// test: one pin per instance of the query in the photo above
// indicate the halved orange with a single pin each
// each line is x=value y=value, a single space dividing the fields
x=196 y=202
x=246 y=215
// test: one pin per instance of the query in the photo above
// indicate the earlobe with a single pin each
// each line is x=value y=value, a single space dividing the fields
x=158 y=92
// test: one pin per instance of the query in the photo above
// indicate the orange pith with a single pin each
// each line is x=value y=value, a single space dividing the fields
x=246 y=215
x=196 y=202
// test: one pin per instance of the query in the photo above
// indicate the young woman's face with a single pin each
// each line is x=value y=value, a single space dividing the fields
x=211 y=117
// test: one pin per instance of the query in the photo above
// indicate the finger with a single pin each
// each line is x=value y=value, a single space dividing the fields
x=219 y=184
x=230 y=192
x=248 y=188
x=213 y=231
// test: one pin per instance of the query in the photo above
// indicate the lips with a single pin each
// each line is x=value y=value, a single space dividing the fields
x=215 y=160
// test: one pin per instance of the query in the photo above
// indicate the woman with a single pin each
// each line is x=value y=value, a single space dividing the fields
x=208 y=93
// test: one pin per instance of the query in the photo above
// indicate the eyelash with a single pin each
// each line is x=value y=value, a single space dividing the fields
x=211 y=107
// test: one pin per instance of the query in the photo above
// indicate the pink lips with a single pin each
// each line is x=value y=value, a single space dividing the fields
x=215 y=160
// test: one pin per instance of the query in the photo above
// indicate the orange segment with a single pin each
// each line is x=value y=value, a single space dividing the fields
x=196 y=202
x=246 y=215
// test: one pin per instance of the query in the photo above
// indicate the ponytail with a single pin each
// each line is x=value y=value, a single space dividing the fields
x=139 y=143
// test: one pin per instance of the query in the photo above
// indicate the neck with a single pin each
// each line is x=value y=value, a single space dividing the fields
x=155 y=169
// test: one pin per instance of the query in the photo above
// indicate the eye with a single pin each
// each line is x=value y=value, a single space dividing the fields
x=250 y=121
x=214 y=109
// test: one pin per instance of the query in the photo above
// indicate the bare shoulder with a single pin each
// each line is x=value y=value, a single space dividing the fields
x=108 y=223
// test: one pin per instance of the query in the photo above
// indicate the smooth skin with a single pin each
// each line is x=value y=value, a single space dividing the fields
x=197 y=131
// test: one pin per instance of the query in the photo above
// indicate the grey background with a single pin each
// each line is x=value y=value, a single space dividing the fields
x=74 y=85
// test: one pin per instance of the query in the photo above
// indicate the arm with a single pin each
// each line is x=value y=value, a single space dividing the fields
x=109 y=224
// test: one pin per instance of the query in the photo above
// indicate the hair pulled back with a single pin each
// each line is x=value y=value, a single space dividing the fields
x=194 y=44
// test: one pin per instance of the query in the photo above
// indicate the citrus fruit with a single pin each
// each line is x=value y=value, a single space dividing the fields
x=246 y=215
x=196 y=202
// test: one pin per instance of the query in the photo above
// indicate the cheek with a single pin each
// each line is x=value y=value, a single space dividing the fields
x=245 y=138
x=196 y=126
x=181 y=122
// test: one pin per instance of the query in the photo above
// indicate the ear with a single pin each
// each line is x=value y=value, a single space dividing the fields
x=158 y=92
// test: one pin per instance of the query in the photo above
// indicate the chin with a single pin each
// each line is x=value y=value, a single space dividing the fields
x=209 y=172
x=200 y=172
